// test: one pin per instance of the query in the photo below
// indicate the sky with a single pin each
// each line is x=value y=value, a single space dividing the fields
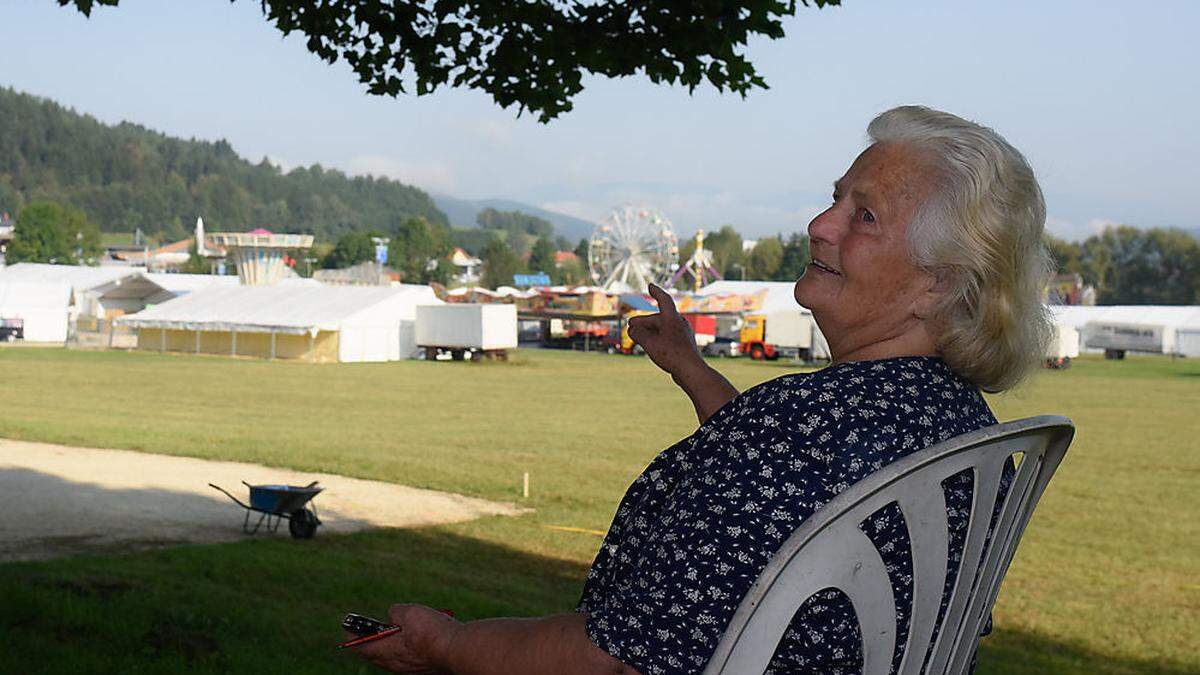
x=1101 y=96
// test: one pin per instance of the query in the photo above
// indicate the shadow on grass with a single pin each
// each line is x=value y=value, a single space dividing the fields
x=1018 y=652
x=274 y=606
x=262 y=605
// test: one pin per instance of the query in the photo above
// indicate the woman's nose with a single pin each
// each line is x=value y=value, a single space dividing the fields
x=825 y=226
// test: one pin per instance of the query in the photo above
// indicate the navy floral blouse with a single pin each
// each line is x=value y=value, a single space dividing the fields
x=697 y=527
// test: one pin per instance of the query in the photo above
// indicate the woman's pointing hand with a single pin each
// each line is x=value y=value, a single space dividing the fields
x=666 y=337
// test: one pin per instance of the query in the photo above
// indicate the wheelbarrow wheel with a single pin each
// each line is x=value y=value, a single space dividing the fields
x=302 y=524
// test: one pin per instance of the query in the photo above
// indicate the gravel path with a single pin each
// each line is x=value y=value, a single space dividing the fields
x=57 y=500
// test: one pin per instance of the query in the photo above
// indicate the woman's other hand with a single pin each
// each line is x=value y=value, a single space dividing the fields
x=666 y=337
x=421 y=646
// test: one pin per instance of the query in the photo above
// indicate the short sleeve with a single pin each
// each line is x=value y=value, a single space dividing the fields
x=687 y=570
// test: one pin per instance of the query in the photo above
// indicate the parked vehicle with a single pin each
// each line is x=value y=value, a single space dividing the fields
x=722 y=346
x=1118 y=338
x=466 y=331
x=12 y=329
x=782 y=333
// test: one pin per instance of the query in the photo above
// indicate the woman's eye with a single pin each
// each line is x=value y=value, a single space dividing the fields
x=867 y=216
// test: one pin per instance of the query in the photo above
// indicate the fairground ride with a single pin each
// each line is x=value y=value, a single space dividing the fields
x=634 y=247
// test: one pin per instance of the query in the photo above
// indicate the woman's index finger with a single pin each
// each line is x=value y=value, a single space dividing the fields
x=666 y=304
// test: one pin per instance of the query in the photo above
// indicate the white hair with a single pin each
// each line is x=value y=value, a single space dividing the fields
x=980 y=232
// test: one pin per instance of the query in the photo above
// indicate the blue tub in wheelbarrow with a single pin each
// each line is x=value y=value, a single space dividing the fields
x=276 y=503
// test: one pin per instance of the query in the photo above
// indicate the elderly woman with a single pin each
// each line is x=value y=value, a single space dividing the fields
x=926 y=280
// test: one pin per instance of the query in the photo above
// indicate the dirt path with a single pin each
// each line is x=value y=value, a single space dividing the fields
x=57 y=500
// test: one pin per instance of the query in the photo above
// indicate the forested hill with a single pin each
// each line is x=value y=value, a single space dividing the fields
x=126 y=176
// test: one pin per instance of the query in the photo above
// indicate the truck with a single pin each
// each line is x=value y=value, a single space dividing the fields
x=459 y=330
x=1117 y=338
x=780 y=333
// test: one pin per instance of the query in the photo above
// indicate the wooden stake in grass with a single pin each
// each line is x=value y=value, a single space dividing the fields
x=525 y=486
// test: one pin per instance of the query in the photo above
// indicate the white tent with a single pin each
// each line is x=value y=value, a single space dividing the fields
x=44 y=306
x=372 y=323
x=780 y=294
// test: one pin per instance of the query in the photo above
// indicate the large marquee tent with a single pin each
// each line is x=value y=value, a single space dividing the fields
x=308 y=322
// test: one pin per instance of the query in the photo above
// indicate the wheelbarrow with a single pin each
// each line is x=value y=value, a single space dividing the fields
x=276 y=503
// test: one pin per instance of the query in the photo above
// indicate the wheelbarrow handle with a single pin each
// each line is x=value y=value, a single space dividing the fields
x=226 y=492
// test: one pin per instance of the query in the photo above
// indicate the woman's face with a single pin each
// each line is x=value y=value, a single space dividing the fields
x=861 y=286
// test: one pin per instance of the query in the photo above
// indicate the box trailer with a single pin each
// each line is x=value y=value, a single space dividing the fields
x=1116 y=338
x=461 y=331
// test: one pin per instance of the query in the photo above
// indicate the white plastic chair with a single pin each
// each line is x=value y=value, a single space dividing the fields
x=830 y=551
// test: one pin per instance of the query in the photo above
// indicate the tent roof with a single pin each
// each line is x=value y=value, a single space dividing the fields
x=26 y=295
x=80 y=277
x=1174 y=316
x=287 y=308
x=780 y=294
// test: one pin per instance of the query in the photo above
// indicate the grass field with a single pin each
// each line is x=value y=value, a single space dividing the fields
x=1107 y=579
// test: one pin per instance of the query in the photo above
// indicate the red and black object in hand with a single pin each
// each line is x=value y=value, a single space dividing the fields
x=370 y=630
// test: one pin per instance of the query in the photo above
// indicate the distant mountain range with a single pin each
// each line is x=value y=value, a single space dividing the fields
x=462 y=212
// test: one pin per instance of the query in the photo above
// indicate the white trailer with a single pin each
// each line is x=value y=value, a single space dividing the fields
x=1116 y=338
x=459 y=331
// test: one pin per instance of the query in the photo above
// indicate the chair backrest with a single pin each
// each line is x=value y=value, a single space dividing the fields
x=829 y=550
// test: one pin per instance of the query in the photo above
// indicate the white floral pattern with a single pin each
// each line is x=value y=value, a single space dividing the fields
x=697 y=527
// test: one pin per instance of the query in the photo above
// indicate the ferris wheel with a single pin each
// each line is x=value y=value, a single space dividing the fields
x=634 y=247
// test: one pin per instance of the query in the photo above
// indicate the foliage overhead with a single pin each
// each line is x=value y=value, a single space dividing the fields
x=126 y=176
x=534 y=53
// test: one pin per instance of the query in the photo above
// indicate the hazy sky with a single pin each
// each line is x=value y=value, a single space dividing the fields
x=1102 y=96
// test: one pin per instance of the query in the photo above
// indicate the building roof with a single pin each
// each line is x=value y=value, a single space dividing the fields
x=286 y=308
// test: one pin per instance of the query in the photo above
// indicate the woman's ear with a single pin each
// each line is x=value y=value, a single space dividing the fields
x=935 y=285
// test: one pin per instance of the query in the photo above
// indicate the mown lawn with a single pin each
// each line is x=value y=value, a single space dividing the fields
x=1107 y=579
